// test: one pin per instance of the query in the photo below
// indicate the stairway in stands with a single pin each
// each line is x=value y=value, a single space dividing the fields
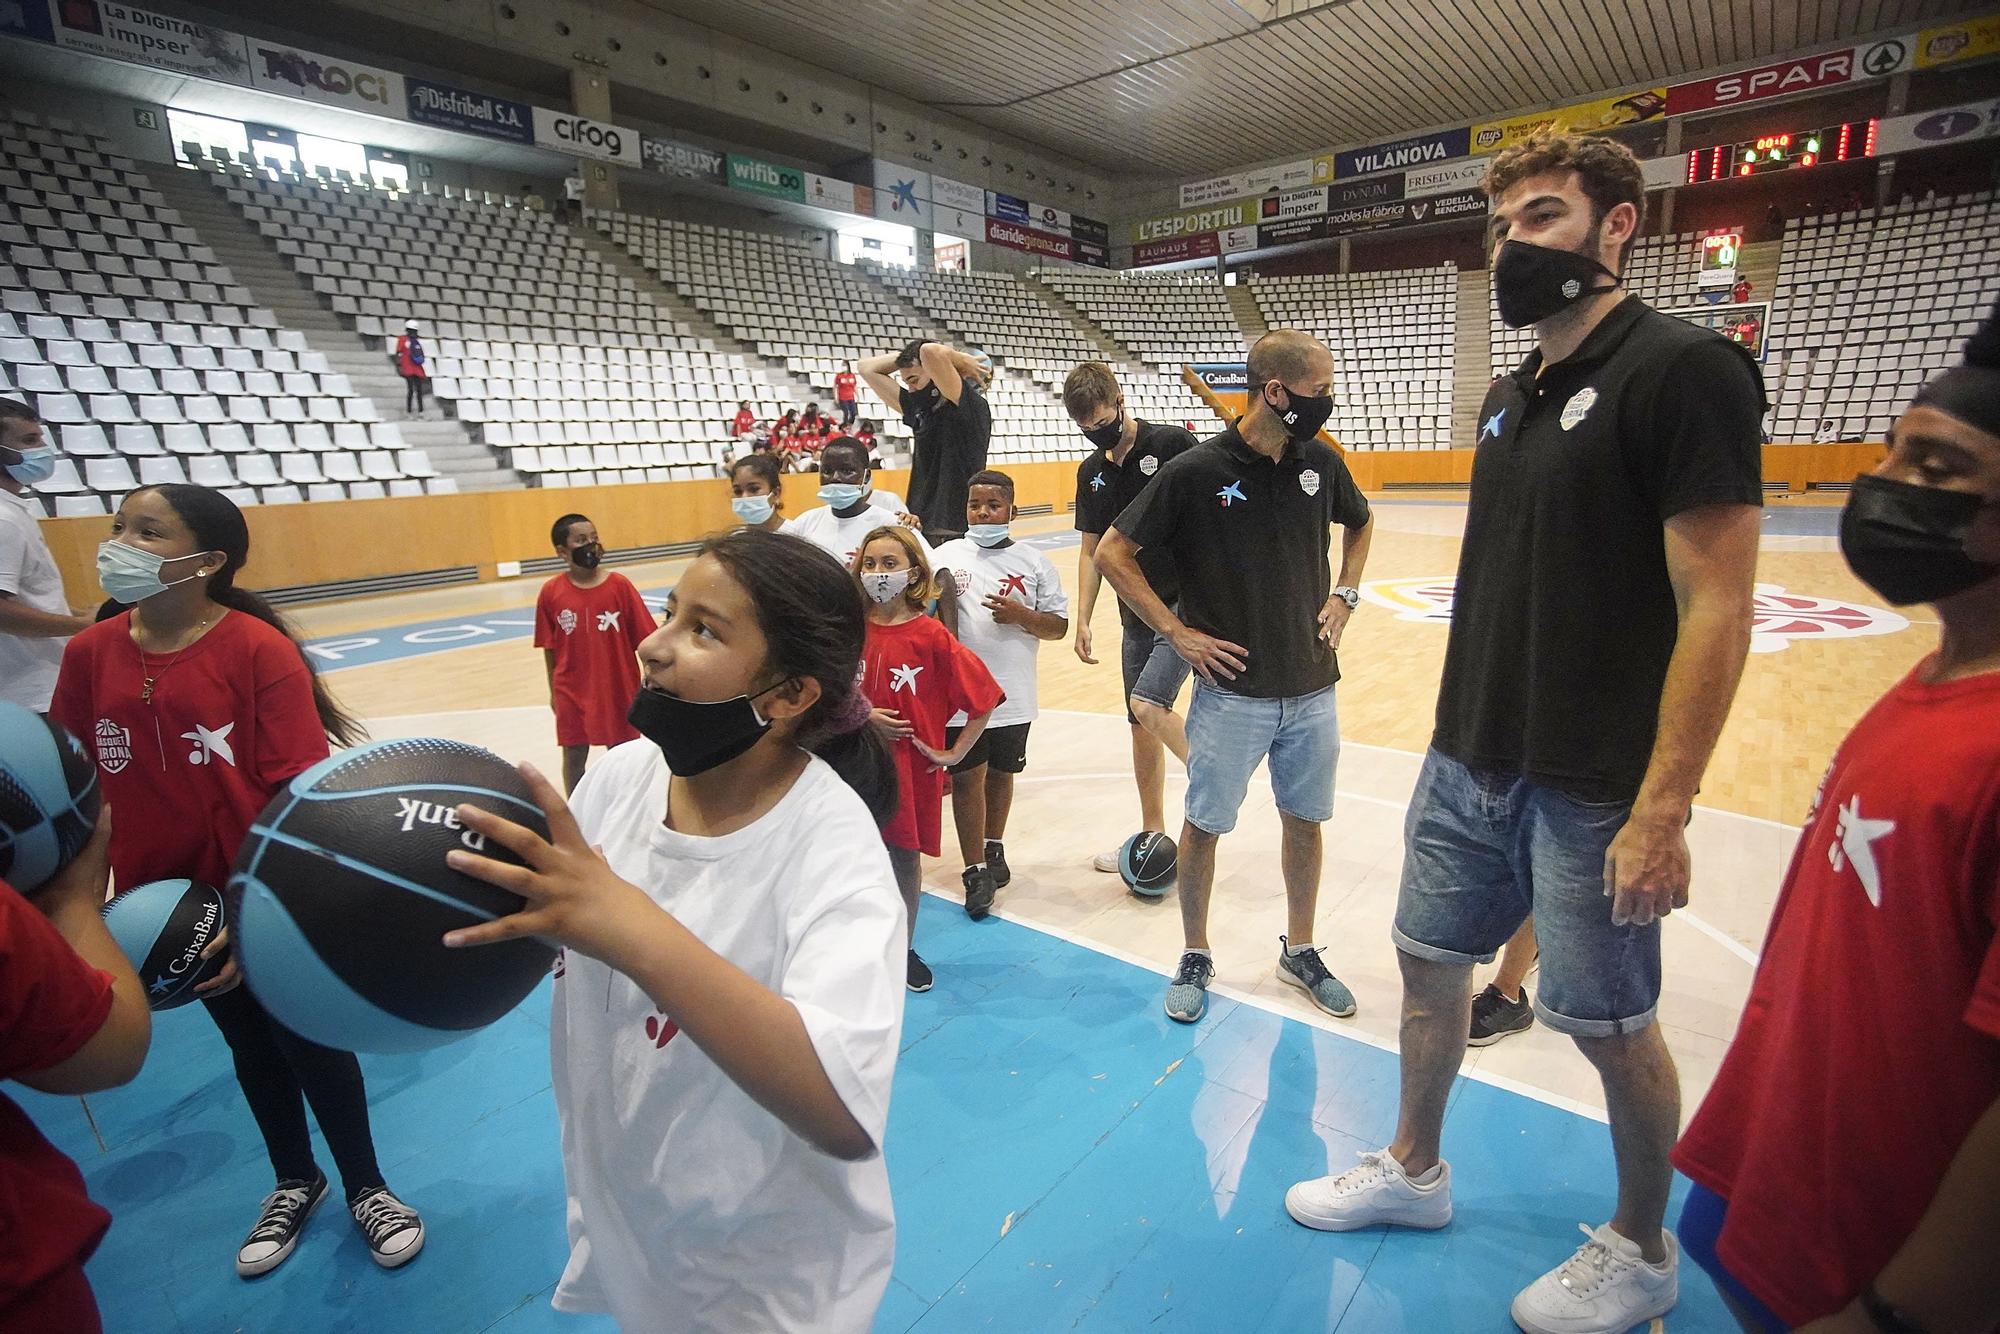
x=277 y=286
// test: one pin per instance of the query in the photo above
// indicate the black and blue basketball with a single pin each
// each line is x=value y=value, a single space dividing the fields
x=1148 y=862
x=162 y=928
x=48 y=798
x=341 y=898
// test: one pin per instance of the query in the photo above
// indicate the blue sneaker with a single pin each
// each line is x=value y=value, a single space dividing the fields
x=1187 y=998
x=1308 y=973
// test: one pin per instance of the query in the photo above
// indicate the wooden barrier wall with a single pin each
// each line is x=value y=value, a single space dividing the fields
x=332 y=541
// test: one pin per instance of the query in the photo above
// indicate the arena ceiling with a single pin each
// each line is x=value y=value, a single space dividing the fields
x=1191 y=87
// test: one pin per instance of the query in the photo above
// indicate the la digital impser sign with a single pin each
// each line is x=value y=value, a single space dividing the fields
x=1781 y=150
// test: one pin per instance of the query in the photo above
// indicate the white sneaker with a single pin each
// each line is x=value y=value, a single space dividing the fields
x=1106 y=862
x=1605 y=1288
x=1377 y=1192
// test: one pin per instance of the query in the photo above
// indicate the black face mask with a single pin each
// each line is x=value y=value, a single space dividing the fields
x=694 y=735
x=1305 y=415
x=1908 y=542
x=1533 y=282
x=1107 y=437
x=587 y=557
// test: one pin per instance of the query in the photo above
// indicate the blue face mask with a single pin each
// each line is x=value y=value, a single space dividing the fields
x=842 y=495
x=752 y=510
x=36 y=465
x=988 y=534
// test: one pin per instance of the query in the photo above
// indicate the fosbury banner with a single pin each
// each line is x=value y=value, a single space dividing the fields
x=338 y=83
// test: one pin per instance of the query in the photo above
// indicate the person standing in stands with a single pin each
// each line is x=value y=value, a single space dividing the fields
x=1846 y=1161
x=844 y=393
x=35 y=619
x=589 y=623
x=411 y=359
x=1126 y=454
x=1603 y=615
x=941 y=399
x=1248 y=516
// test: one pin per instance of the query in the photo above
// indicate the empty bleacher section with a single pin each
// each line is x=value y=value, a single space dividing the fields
x=148 y=358
x=549 y=355
x=1391 y=338
x=1168 y=321
x=1870 y=304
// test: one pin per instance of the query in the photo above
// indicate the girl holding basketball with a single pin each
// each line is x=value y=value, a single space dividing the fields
x=726 y=1016
x=918 y=676
x=200 y=706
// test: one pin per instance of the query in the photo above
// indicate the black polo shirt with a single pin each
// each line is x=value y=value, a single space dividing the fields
x=1105 y=489
x=1564 y=618
x=949 y=446
x=1249 y=536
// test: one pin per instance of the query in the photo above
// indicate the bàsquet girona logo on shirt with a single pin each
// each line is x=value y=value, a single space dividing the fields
x=114 y=746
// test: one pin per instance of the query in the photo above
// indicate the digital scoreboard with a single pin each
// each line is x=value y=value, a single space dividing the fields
x=1781 y=150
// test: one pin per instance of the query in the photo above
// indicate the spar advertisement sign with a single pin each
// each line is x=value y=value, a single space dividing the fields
x=1829 y=69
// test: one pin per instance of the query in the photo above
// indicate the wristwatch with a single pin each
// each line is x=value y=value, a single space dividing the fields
x=1351 y=596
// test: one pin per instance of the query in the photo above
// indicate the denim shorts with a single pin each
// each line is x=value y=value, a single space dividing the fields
x=1229 y=733
x=1484 y=849
x=1153 y=671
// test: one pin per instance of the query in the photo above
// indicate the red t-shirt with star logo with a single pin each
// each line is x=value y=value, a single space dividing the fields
x=230 y=722
x=921 y=672
x=595 y=634
x=1870 y=1043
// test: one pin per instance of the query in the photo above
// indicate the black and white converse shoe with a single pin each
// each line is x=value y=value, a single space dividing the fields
x=279 y=1223
x=395 y=1234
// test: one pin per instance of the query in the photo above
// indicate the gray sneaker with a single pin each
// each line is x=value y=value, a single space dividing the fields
x=1308 y=973
x=1187 y=998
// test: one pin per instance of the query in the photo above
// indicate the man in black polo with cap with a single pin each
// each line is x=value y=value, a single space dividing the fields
x=1601 y=618
x=1247 y=516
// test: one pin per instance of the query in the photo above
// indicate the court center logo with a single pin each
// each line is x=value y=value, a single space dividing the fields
x=1781 y=617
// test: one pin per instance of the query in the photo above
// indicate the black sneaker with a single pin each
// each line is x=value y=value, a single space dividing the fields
x=395 y=1234
x=979 y=887
x=919 y=974
x=279 y=1223
x=996 y=862
x=1495 y=1017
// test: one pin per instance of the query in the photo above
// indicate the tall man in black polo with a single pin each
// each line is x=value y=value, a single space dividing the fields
x=1126 y=454
x=941 y=399
x=1602 y=615
x=1247 y=516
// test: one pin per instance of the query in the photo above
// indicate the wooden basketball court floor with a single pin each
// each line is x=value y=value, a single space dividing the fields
x=1061 y=1153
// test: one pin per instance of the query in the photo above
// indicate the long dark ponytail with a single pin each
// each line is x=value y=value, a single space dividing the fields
x=809 y=609
x=218 y=525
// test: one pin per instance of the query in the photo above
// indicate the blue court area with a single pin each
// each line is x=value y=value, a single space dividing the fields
x=1062 y=1154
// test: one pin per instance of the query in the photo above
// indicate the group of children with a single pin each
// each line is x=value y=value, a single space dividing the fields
x=796 y=438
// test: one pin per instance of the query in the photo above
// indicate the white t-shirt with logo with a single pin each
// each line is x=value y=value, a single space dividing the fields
x=1017 y=571
x=840 y=537
x=690 y=1206
x=27 y=571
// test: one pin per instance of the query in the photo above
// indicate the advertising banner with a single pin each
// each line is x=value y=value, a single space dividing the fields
x=1049 y=218
x=1298 y=204
x=1829 y=69
x=28 y=18
x=958 y=222
x=1093 y=230
x=1224 y=377
x=341 y=83
x=765 y=178
x=1374 y=190
x=583 y=137
x=1958 y=41
x=1449 y=178
x=688 y=161
x=1090 y=252
x=1010 y=207
x=144 y=37
x=1195 y=220
x=473 y=113
x=902 y=194
x=827 y=192
x=947 y=193
x=1929 y=129
x=1257 y=181
x=1233 y=239
x=1606 y=113
x=1173 y=251
x=1443 y=208
x=1033 y=240
x=1411 y=152
x=1293 y=231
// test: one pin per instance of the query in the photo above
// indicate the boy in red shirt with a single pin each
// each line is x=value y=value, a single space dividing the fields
x=1847 y=1158
x=844 y=393
x=917 y=676
x=73 y=1020
x=589 y=623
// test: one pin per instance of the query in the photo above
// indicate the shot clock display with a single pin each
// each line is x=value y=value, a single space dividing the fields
x=1781 y=150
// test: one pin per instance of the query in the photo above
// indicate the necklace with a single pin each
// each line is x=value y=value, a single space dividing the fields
x=147 y=682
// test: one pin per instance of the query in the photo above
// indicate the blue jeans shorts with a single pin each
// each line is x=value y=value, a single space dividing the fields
x=1153 y=671
x=1228 y=734
x=1484 y=849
